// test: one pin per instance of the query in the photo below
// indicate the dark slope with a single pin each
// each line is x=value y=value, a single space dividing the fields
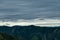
x=6 y=37
x=32 y=32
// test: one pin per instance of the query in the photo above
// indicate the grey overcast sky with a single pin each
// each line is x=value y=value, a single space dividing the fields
x=29 y=9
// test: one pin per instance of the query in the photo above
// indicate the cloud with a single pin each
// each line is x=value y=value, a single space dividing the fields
x=37 y=22
x=29 y=12
x=29 y=9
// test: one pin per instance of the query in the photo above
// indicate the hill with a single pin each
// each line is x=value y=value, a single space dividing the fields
x=6 y=37
x=32 y=32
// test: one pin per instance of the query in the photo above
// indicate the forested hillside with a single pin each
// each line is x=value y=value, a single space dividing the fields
x=29 y=33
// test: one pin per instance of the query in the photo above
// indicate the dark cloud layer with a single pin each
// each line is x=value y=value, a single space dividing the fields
x=29 y=9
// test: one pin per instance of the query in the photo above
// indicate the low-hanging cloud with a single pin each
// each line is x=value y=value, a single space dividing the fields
x=37 y=22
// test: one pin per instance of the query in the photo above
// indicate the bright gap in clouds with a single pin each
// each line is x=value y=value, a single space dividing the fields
x=37 y=22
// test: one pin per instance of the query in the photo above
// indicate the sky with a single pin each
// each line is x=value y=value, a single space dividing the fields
x=30 y=10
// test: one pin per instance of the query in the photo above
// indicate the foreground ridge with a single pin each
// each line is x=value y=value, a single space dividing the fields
x=30 y=32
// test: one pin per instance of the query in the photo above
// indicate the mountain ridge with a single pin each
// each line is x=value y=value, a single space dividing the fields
x=27 y=32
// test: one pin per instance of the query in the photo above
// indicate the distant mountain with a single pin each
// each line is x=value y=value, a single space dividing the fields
x=32 y=32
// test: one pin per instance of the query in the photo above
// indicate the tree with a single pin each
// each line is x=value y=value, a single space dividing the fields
x=34 y=38
x=20 y=38
x=1 y=37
